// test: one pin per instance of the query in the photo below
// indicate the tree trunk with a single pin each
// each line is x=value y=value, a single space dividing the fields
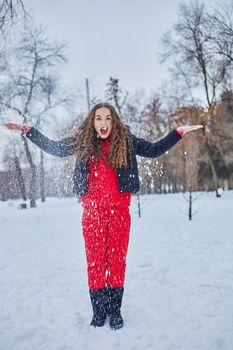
x=190 y=205
x=88 y=95
x=174 y=187
x=169 y=184
x=42 y=177
x=20 y=178
x=32 y=192
x=213 y=170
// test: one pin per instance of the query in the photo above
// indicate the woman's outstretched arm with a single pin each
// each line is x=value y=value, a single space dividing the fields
x=62 y=148
x=149 y=149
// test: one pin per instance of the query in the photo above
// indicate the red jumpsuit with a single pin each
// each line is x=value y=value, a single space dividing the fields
x=106 y=225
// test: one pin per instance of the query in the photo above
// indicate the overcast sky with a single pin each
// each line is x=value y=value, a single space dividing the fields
x=119 y=38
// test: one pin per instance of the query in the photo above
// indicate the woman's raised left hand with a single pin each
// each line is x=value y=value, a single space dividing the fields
x=187 y=128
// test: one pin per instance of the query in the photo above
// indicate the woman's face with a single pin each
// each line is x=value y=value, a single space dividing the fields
x=103 y=122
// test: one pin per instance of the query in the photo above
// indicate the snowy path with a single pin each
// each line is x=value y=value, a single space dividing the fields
x=178 y=290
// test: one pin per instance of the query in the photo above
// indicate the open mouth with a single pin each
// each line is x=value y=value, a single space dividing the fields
x=104 y=130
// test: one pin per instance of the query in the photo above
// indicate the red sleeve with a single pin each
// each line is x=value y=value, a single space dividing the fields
x=25 y=128
x=179 y=132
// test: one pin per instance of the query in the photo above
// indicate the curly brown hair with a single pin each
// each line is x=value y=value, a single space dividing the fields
x=88 y=144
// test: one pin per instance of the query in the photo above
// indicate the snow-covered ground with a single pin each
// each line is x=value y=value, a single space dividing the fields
x=178 y=288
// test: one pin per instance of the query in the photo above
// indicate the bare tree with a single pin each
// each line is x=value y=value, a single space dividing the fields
x=221 y=30
x=188 y=45
x=32 y=87
x=91 y=99
x=10 y=11
x=116 y=94
x=153 y=122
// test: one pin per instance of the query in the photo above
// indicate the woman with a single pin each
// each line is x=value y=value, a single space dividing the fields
x=105 y=176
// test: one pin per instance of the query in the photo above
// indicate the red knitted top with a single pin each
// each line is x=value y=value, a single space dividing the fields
x=103 y=190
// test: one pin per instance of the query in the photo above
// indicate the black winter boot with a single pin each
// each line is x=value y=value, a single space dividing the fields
x=99 y=301
x=115 y=295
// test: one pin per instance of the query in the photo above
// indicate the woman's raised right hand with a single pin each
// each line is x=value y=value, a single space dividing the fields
x=13 y=126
